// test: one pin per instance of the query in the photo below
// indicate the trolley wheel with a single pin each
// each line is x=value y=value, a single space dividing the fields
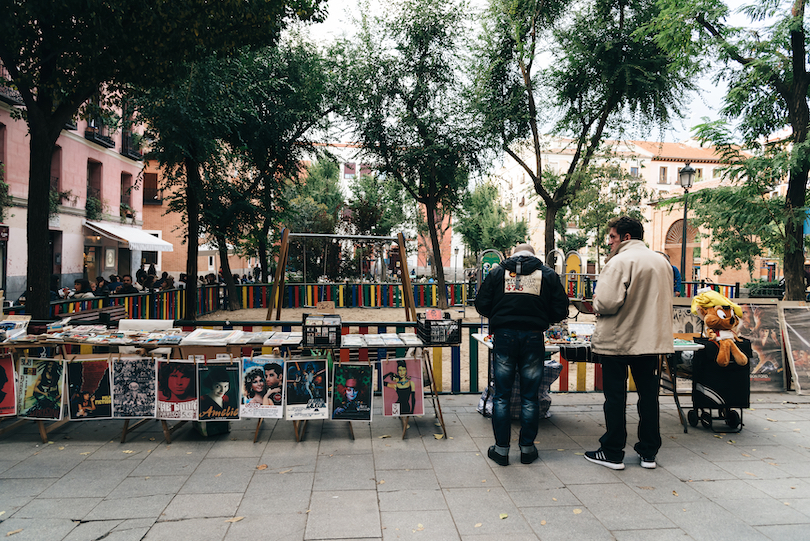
x=692 y=417
x=732 y=418
x=706 y=419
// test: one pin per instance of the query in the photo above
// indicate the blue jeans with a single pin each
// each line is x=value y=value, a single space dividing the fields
x=524 y=351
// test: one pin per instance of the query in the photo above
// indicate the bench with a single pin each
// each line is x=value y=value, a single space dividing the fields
x=105 y=315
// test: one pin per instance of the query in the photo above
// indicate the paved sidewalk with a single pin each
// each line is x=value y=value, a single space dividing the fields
x=85 y=485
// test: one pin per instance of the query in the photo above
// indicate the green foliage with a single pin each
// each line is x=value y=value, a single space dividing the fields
x=483 y=223
x=93 y=208
x=377 y=207
x=5 y=197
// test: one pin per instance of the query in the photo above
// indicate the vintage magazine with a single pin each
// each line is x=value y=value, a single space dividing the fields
x=760 y=324
x=40 y=389
x=177 y=390
x=352 y=392
x=403 y=388
x=134 y=388
x=263 y=387
x=89 y=390
x=305 y=389
x=796 y=317
x=219 y=390
x=8 y=391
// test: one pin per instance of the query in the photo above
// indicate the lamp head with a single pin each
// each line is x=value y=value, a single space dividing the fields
x=686 y=176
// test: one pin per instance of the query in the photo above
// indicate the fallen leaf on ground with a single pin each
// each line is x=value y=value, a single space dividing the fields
x=382 y=481
x=503 y=516
x=674 y=493
x=751 y=474
x=554 y=499
x=542 y=523
x=419 y=527
x=384 y=436
x=61 y=447
x=577 y=511
x=86 y=453
x=217 y=475
x=234 y=519
x=285 y=471
x=127 y=452
x=438 y=436
x=478 y=525
x=12 y=532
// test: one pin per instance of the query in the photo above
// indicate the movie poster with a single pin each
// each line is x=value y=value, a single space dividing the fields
x=403 y=389
x=797 y=343
x=177 y=390
x=683 y=320
x=89 y=389
x=219 y=391
x=305 y=389
x=40 y=386
x=8 y=395
x=351 y=392
x=760 y=324
x=262 y=387
x=134 y=392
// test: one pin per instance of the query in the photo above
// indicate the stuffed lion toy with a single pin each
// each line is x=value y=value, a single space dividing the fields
x=720 y=317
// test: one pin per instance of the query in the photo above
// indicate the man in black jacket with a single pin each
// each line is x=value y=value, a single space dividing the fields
x=521 y=297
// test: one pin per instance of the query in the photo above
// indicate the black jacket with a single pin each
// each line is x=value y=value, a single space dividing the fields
x=533 y=302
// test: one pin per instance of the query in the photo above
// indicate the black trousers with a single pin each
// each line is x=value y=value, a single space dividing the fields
x=614 y=380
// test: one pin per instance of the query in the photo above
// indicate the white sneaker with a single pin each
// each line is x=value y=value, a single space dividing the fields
x=598 y=457
x=647 y=462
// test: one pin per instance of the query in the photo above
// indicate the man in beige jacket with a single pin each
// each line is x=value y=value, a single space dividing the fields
x=633 y=302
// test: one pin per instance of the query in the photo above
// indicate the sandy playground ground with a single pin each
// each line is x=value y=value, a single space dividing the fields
x=393 y=315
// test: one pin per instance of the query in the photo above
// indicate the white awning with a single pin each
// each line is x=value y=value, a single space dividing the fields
x=137 y=239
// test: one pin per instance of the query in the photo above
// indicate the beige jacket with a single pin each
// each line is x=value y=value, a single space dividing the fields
x=633 y=301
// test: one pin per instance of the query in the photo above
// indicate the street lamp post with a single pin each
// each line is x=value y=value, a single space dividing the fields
x=456 y=273
x=685 y=178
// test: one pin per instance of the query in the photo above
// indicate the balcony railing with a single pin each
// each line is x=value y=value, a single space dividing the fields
x=129 y=147
x=99 y=136
x=152 y=196
x=7 y=93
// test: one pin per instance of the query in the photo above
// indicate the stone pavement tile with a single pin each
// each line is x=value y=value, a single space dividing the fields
x=580 y=424
x=126 y=508
x=433 y=525
x=785 y=532
x=340 y=472
x=658 y=485
x=289 y=455
x=661 y=534
x=549 y=436
x=799 y=504
x=219 y=475
x=398 y=456
x=184 y=506
x=270 y=526
x=613 y=503
x=391 y=480
x=91 y=479
x=239 y=445
x=483 y=505
x=38 y=529
x=131 y=450
x=757 y=469
x=336 y=439
x=169 y=462
x=343 y=514
x=198 y=529
x=707 y=521
x=534 y=476
x=686 y=465
x=490 y=537
x=150 y=485
x=32 y=486
x=288 y=492
x=6 y=464
x=454 y=470
x=43 y=466
x=476 y=425
x=723 y=489
x=776 y=414
x=764 y=511
x=97 y=529
x=565 y=523
x=571 y=468
x=782 y=488
x=413 y=499
x=779 y=454
x=285 y=431
x=71 y=508
x=550 y=497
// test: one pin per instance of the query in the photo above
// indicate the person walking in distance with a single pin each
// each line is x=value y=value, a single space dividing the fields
x=521 y=297
x=633 y=302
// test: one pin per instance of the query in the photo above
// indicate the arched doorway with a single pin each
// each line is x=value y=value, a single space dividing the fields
x=672 y=247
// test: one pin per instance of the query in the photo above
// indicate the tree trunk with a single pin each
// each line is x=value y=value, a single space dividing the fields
x=37 y=295
x=263 y=251
x=193 y=183
x=551 y=216
x=230 y=286
x=437 y=253
x=794 y=238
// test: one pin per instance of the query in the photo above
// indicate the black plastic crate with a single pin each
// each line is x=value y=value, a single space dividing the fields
x=438 y=332
x=320 y=336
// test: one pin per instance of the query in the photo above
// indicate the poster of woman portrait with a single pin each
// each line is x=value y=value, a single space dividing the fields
x=39 y=391
x=8 y=395
x=403 y=389
x=305 y=389
x=134 y=392
x=177 y=390
x=89 y=389
x=760 y=324
x=796 y=317
x=219 y=391
x=262 y=387
x=351 y=392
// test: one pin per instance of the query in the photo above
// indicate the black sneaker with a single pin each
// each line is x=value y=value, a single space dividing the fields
x=528 y=458
x=598 y=457
x=494 y=455
x=647 y=462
